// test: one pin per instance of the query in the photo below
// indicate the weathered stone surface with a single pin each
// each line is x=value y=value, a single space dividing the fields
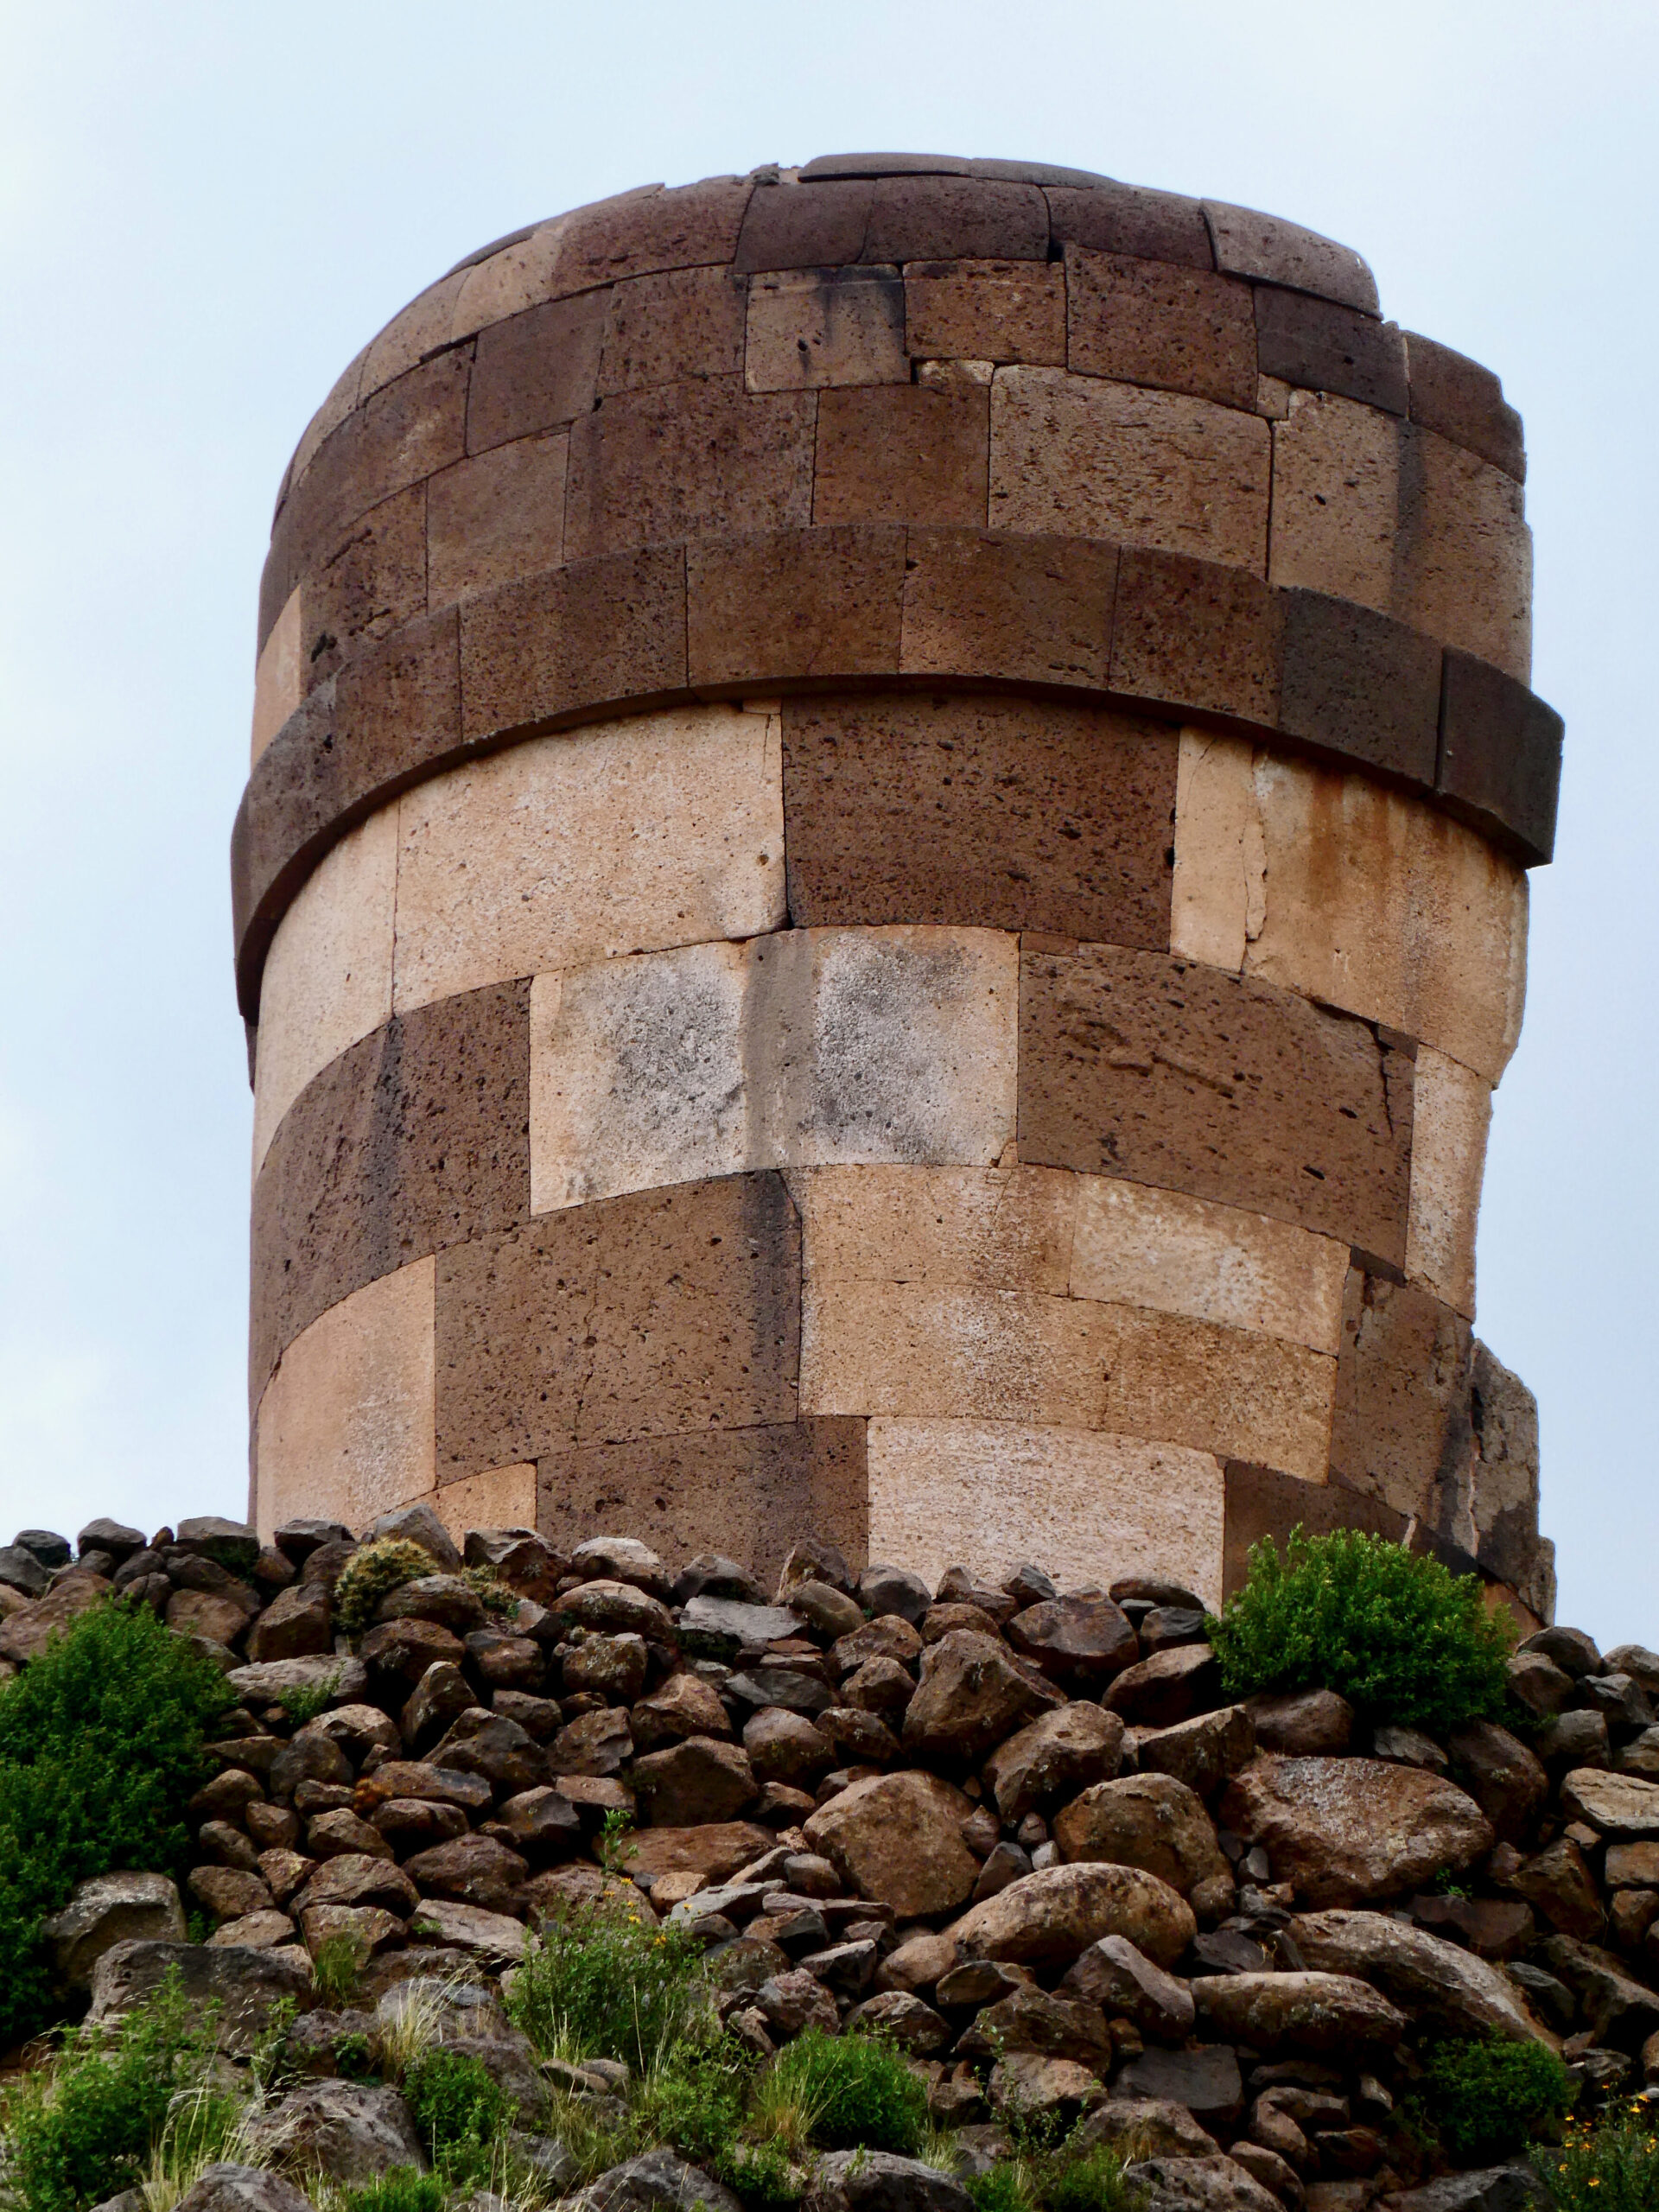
x=1436 y=1981
x=357 y=1879
x=1206 y=2081
x=1209 y=2184
x=1150 y=1820
x=1500 y=1774
x=915 y=2026
x=1490 y=2188
x=1312 y=2013
x=1621 y=1805
x=297 y=1624
x=1126 y=1985
x=108 y=1909
x=684 y=1706
x=1075 y=1639
x=470 y=1928
x=1617 y=2009
x=1051 y=1756
x=1031 y=2019
x=797 y=1999
x=1203 y=1752
x=1345 y=1831
x=879 y=2181
x=1148 y=2127
x=349 y=2131
x=472 y=1869
x=225 y=2187
x=344 y=1679
x=716 y=1850
x=1049 y=1917
x=1558 y=1882
x=27 y=1633
x=1168 y=1687
x=971 y=1694
x=1028 y=2082
x=897 y=1839
x=786 y=1747
x=246 y=1984
x=1302 y=1724
x=698 y=1780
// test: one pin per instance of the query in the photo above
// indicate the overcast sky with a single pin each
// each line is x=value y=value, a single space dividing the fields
x=205 y=209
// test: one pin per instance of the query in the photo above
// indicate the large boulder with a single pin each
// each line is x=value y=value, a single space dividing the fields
x=27 y=1634
x=1310 y=2013
x=1203 y=1752
x=1440 y=1984
x=1500 y=1774
x=1146 y=2127
x=1217 y=2184
x=1620 y=1806
x=472 y=1869
x=246 y=1984
x=1030 y=2019
x=897 y=1839
x=1150 y=1820
x=696 y=1780
x=972 y=1694
x=1126 y=1985
x=1049 y=1918
x=229 y=2188
x=346 y=2130
x=1053 y=1756
x=108 y=1909
x=1345 y=1831
x=879 y=2181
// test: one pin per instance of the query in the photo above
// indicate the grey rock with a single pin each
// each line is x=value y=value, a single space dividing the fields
x=718 y=1628
x=1621 y=1806
x=108 y=1909
x=1493 y=2189
x=914 y=2026
x=1438 y=1983
x=1302 y=1724
x=893 y=1590
x=1207 y=2082
x=1148 y=2127
x=655 y=2179
x=349 y=2131
x=877 y=2181
x=1054 y=1756
x=1315 y=2013
x=417 y=1525
x=622 y=1559
x=343 y=1678
x=1126 y=1985
x=229 y=2188
x=231 y=1544
x=1216 y=2185
x=710 y=1574
x=1410 y=1747
x=21 y=1571
x=1569 y=1649
x=247 y=1985
x=52 y=1549
x=111 y=1536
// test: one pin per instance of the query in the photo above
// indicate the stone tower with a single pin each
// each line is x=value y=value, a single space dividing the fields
x=883 y=886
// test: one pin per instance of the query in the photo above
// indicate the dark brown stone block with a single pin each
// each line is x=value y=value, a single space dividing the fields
x=995 y=813
x=1270 y=251
x=1198 y=635
x=1189 y=1079
x=661 y=1312
x=1401 y=1423
x=953 y=219
x=1146 y=323
x=1124 y=218
x=686 y=460
x=598 y=630
x=786 y=603
x=396 y=706
x=686 y=322
x=1025 y=609
x=534 y=371
x=753 y=1493
x=806 y=227
x=638 y=232
x=415 y=1139
x=1464 y=402
x=1361 y=685
x=1500 y=755
x=1323 y=347
x=1260 y=1502
x=905 y=452
x=373 y=582
x=496 y=517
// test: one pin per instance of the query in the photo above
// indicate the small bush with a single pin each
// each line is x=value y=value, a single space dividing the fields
x=1396 y=1635
x=1092 y=2183
x=336 y=1970
x=401 y=2190
x=303 y=1701
x=694 y=2098
x=1002 y=2188
x=491 y=1592
x=601 y=1985
x=101 y=1748
x=372 y=1574
x=1608 y=2165
x=1488 y=2097
x=457 y=2108
x=851 y=2089
x=761 y=2175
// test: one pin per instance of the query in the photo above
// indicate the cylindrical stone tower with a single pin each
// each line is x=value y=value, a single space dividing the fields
x=883 y=887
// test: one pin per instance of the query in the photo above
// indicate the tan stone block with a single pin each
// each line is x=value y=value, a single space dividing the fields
x=1135 y=1246
x=346 y=1424
x=650 y=830
x=1336 y=499
x=809 y=327
x=279 y=677
x=1452 y=1115
x=1216 y=896
x=507 y=282
x=986 y=311
x=682 y=322
x=999 y=1228
x=801 y=1049
x=417 y=330
x=903 y=453
x=1148 y=322
x=496 y=518
x=1086 y=457
x=502 y=1498
x=328 y=979
x=991 y=1494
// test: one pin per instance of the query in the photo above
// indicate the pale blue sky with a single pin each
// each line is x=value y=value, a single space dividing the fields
x=204 y=211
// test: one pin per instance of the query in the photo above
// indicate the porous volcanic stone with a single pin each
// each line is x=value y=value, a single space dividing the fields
x=1050 y=1917
x=896 y=1838
x=1345 y=1831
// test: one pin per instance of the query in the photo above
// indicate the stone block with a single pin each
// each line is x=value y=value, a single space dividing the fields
x=1336 y=499
x=328 y=978
x=637 y=233
x=955 y=219
x=790 y=226
x=691 y=459
x=686 y=322
x=1196 y=635
x=663 y=1312
x=517 y=275
x=364 y=587
x=1112 y=218
x=1091 y=1505
x=1175 y=1074
x=1088 y=458
x=496 y=518
x=1402 y=1419
x=1263 y=1502
x=342 y=397
x=1032 y=815
x=988 y=1228
x=986 y=311
x=1465 y=402
x=810 y=327
x=798 y=1050
x=905 y=452
x=346 y=1423
x=780 y=604
x=1027 y=609
x=1452 y=1111
x=613 y=628
x=664 y=829
x=1500 y=761
x=396 y=706
x=1270 y=251
x=1148 y=322
x=423 y=328
x=1360 y=685
x=276 y=682
x=1321 y=347
x=762 y=1489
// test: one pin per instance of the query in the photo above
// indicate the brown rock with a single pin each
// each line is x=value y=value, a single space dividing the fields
x=1493 y=1928
x=1146 y=2127
x=785 y=1746
x=897 y=1839
x=1043 y=2088
x=442 y=1694
x=1050 y=1917
x=1621 y=1805
x=1347 y=1830
x=1150 y=1820
x=1168 y=1687
x=684 y=1706
x=492 y=1747
x=715 y=1851
x=889 y=1637
x=1126 y=1985
x=971 y=1694
x=797 y=1999
x=367 y=1928
x=1435 y=1982
x=413 y=1823
x=543 y=1823
x=357 y=1879
x=508 y=1663
x=915 y=2026
x=228 y=1894
x=1310 y=2013
x=405 y=1649
x=1030 y=2019
x=697 y=1781
x=297 y=1622
x=597 y=1743
x=1053 y=1756
x=420 y=1778
x=1205 y=1752
x=472 y=1869
x=285 y=1872
x=919 y=1963
x=615 y=1665
x=27 y=1634
x=1144 y=322
x=1500 y=1774
x=1301 y=1724
x=1559 y=1884
x=862 y=1738
x=1075 y=1639
x=913 y=452
x=328 y=1835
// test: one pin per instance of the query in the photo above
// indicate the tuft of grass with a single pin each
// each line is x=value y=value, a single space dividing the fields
x=303 y=1701
x=602 y=1985
x=491 y=1592
x=1004 y=2187
x=204 y=2124
x=372 y=1574
x=840 y=2092
x=401 y=2189
x=1396 y=1635
x=337 y=1969
x=460 y=2110
x=1486 y=2098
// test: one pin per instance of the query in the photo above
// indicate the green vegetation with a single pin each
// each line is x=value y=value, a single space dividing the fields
x=605 y=1986
x=1488 y=2098
x=840 y=2091
x=491 y=1592
x=402 y=2189
x=459 y=2109
x=1396 y=1635
x=303 y=1701
x=372 y=1574
x=1046 y=2175
x=1608 y=2165
x=336 y=1969
x=101 y=1747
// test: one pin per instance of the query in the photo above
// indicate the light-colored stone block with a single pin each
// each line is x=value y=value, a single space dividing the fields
x=649 y=831
x=502 y=1498
x=1452 y=1112
x=328 y=978
x=417 y=330
x=346 y=1425
x=810 y=327
x=1352 y=894
x=1000 y=1228
x=1135 y=1246
x=1336 y=499
x=277 y=677
x=1084 y=457
x=915 y=1352
x=518 y=278
x=807 y=1048
x=1090 y=1507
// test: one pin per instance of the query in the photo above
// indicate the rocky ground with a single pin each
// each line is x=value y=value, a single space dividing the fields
x=1018 y=1829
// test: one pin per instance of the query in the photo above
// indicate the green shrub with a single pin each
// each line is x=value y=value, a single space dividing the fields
x=491 y=1590
x=459 y=2109
x=1091 y=2183
x=372 y=1574
x=1608 y=2165
x=1000 y=2188
x=852 y=2089
x=601 y=1985
x=1396 y=1635
x=761 y=2175
x=694 y=2098
x=101 y=1748
x=85 y=2128
x=303 y=1701
x=1487 y=2098
x=337 y=1969
x=401 y=2190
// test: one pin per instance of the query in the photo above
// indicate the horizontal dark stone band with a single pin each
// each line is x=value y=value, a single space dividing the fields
x=830 y=608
